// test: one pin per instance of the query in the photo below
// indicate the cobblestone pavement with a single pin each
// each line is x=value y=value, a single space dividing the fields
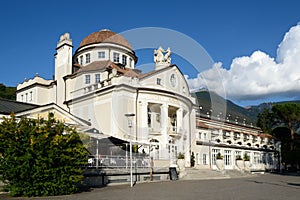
x=268 y=186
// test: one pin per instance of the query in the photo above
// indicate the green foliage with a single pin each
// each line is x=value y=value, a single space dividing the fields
x=180 y=155
x=192 y=160
x=265 y=121
x=238 y=157
x=289 y=113
x=40 y=157
x=7 y=92
x=219 y=156
x=246 y=157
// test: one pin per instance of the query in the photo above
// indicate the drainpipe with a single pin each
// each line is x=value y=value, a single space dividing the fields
x=136 y=114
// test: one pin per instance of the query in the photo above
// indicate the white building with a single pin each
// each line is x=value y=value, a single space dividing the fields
x=97 y=85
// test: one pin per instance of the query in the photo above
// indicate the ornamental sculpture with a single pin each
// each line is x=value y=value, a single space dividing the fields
x=160 y=58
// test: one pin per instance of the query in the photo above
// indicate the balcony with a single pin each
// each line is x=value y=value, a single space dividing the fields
x=173 y=131
x=154 y=130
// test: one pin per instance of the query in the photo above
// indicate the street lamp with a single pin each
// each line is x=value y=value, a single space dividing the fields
x=129 y=115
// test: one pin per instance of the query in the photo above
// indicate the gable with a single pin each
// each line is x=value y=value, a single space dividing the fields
x=59 y=114
x=169 y=78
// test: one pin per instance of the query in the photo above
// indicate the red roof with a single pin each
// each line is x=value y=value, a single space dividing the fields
x=105 y=36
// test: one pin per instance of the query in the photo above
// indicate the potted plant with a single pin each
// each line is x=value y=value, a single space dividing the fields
x=181 y=164
x=239 y=162
x=219 y=162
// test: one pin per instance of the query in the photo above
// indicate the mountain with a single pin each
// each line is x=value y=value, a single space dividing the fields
x=215 y=106
x=254 y=110
x=7 y=92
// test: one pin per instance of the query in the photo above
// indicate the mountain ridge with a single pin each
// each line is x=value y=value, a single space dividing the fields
x=213 y=105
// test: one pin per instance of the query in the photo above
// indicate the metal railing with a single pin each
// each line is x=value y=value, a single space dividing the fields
x=113 y=161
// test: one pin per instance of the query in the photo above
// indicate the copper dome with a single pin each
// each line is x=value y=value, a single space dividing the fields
x=105 y=36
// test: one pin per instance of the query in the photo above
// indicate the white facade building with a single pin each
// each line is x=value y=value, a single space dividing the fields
x=98 y=84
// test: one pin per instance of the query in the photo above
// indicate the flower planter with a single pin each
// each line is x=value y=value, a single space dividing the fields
x=220 y=164
x=247 y=165
x=240 y=165
x=181 y=167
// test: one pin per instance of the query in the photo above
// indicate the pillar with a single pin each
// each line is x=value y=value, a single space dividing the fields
x=164 y=130
x=143 y=126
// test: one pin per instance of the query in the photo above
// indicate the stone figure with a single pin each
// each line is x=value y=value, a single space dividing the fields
x=160 y=58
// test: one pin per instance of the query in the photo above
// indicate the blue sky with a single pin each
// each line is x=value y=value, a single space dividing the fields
x=227 y=30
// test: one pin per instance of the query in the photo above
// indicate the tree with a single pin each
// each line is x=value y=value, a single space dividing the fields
x=7 y=92
x=288 y=113
x=40 y=157
x=265 y=121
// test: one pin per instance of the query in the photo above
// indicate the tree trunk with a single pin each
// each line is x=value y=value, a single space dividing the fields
x=292 y=135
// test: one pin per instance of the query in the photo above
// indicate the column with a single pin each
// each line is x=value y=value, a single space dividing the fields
x=179 y=121
x=187 y=142
x=143 y=125
x=164 y=130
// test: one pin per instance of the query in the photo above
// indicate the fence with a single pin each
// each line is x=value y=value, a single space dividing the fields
x=113 y=161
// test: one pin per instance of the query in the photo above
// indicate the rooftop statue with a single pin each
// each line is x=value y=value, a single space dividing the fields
x=160 y=58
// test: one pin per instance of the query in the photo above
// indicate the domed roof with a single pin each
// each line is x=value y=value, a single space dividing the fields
x=105 y=36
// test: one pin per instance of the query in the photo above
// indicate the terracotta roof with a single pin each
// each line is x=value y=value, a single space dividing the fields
x=95 y=66
x=107 y=64
x=265 y=135
x=105 y=36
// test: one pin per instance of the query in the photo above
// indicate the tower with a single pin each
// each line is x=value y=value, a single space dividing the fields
x=63 y=66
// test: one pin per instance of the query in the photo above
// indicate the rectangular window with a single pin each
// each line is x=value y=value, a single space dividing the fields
x=97 y=78
x=87 y=79
x=116 y=57
x=204 y=156
x=214 y=155
x=238 y=154
x=158 y=81
x=256 y=158
x=30 y=96
x=22 y=97
x=227 y=157
x=87 y=58
x=205 y=136
x=81 y=60
x=130 y=62
x=101 y=54
x=124 y=60
x=26 y=97
x=199 y=135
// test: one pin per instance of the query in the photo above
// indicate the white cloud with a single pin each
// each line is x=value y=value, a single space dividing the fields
x=257 y=76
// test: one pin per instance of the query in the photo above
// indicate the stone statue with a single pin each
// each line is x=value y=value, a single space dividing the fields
x=167 y=57
x=160 y=58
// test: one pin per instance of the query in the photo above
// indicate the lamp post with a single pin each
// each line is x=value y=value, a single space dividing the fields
x=129 y=115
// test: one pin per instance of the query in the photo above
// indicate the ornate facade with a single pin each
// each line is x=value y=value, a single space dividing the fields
x=97 y=85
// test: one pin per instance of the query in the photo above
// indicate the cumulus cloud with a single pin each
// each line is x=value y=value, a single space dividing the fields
x=257 y=76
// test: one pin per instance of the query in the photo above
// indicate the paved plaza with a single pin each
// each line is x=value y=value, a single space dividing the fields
x=268 y=186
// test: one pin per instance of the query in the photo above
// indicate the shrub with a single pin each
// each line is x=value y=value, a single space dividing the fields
x=246 y=157
x=180 y=155
x=219 y=156
x=40 y=157
x=238 y=157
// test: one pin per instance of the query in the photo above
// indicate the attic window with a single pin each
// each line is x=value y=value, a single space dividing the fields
x=81 y=60
x=124 y=60
x=158 y=81
x=87 y=58
x=101 y=54
x=116 y=57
